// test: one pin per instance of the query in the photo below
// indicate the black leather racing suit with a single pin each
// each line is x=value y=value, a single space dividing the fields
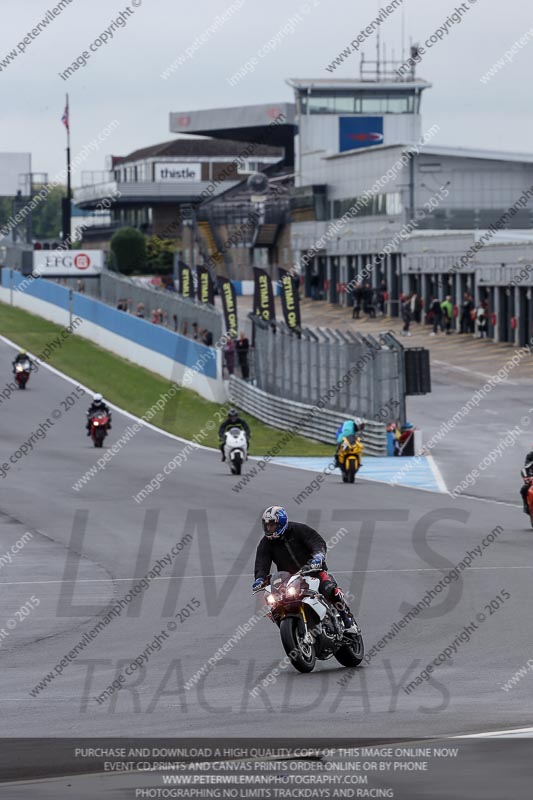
x=293 y=550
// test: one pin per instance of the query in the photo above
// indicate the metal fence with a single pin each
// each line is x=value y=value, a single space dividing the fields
x=179 y=314
x=301 y=418
x=347 y=372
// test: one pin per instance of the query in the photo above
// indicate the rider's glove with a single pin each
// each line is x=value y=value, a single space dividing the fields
x=316 y=561
x=257 y=584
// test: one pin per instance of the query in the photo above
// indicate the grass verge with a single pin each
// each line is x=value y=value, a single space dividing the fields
x=136 y=389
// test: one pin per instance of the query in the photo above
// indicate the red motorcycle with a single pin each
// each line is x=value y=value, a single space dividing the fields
x=22 y=373
x=99 y=427
x=529 y=496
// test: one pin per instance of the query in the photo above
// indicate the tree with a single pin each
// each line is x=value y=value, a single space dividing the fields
x=128 y=251
x=46 y=218
x=160 y=255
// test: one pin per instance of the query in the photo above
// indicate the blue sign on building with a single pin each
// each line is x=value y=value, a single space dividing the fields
x=357 y=132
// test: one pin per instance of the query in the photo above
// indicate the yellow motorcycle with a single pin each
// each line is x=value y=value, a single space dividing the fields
x=349 y=457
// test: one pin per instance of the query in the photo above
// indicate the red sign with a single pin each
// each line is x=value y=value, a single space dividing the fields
x=273 y=113
x=493 y=318
x=514 y=323
x=82 y=261
x=184 y=122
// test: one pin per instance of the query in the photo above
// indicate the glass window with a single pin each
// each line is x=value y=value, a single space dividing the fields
x=345 y=104
x=321 y=105
x=363 y=102
x=372 y=105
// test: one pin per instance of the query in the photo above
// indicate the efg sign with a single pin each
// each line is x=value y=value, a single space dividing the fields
x=67 y=263
x=173 y=172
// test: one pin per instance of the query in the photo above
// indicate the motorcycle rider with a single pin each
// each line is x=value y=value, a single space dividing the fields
x=96 y=406
x=352 y=427
x=21 y=357
x=232 y=421
x=526 y=472
x=291 y=546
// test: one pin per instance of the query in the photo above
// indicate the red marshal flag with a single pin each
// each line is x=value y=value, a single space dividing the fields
x=65 y=117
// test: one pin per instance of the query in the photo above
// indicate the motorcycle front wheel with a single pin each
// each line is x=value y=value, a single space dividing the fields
x=351 y=654
x=237 y=464
x=301 y=655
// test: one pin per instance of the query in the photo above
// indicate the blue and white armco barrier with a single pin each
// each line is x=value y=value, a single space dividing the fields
x=168 y=354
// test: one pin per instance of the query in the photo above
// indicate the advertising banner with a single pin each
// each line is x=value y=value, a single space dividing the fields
x=229 y=304
x=290 y=300
x=67 y=263
x=263 y=296
x=206 y=290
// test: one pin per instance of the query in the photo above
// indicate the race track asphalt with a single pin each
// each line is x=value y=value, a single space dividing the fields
x=91 y=546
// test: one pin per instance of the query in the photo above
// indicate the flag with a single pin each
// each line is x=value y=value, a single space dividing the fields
x=65 y=117
x=229 y=305
x=205 y=286
x=186 y=286
x=290 y=300
x=263 y=296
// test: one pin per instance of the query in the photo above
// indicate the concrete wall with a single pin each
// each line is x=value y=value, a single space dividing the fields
x=161 y=351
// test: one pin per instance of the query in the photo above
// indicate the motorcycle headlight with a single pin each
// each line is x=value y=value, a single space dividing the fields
x=271 y=599
x=292 y=591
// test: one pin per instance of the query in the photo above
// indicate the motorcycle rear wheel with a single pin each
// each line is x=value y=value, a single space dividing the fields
x=302 y=656
x=351 y=654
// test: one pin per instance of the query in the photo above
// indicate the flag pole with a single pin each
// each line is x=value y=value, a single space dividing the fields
x=67 y=210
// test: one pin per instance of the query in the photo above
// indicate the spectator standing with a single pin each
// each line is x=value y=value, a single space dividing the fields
x=367 y=300
x=416 y=308
x=406 y=315
x=140 y=310
x=229 y=356
x=357 y=299
x=481 y=321
x=195 y=330
x=437 y=316
x=466 y=313
x=207 y=338
x=447 y=310
x=80 y=286
x=243 y=346
x=383 y=296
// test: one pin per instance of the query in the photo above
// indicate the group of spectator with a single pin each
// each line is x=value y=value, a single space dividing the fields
x=440 y=314
x=241 y=348
x=369 y=300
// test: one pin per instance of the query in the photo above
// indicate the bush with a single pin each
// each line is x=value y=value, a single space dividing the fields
x=160 y=255
x=128 y=251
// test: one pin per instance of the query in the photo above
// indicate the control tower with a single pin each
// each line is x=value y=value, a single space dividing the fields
x=334 y=115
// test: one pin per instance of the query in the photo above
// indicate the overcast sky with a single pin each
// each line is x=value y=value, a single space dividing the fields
x=122 y=80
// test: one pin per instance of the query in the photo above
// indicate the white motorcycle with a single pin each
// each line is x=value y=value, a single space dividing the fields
x=310 y=626
x=235 y=449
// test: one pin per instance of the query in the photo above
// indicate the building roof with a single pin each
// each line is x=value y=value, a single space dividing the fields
x=196 y=148
x=345 y=84
x=443 y=152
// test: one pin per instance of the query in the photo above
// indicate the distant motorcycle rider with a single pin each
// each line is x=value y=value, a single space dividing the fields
x=233 y=421
x=96 y=406
x=352 y=427
x=291 y=546
x=20 y=358
x=526 y=472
